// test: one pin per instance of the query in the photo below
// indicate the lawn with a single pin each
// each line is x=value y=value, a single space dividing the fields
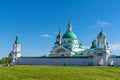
x=59 y=73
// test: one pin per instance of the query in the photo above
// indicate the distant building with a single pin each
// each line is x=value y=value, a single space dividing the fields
x=68 y=51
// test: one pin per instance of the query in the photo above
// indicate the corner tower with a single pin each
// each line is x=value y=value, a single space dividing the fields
x=102 y=50
x=16 y=52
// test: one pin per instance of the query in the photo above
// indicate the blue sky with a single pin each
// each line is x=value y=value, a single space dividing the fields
x=36 y=22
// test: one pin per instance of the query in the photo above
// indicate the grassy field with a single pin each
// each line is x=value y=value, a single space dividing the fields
x=59 y=73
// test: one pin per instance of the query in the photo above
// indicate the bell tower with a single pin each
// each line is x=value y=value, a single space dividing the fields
x=102 y=51
x=101 y=40
x=16 y=52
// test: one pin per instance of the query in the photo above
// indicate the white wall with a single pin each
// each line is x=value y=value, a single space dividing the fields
x=61 y=61
x=53 y=61
x=117 y=62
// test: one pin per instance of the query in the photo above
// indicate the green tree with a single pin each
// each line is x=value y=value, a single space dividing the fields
x=6 y=60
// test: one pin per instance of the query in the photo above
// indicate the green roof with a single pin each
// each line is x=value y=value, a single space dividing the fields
x=81 y=45
x=102 y=33
x=94 y=44
x=90 y=49
x=58 y=36
x=69 y=34
x=79 y=53
x=16 y=40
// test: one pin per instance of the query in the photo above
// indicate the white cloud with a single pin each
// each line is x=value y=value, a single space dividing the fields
x=46 y=35
x=115 y=46
x=101 y=23
x=56 y=32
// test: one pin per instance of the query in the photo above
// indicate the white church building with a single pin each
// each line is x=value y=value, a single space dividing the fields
x=68 y=51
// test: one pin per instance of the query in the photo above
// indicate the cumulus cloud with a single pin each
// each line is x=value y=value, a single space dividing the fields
x=115 y=46
x=46 y=35
x=101 y=23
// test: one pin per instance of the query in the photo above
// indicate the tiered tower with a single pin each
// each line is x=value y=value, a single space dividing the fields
x=102 y=50
x=16 y=52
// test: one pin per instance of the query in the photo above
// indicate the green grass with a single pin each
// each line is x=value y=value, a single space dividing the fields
x=59 y=73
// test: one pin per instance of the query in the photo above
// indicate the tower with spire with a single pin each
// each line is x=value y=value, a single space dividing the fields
x=58 y=38
x=16 y=52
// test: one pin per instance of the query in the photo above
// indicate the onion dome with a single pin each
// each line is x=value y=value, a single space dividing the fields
x=94 y=44
x=102 y=34
x=16 y=40
x=81 y=45
x=69 y=34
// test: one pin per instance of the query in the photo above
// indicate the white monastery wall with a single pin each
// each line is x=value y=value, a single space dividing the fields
x=117 y=62
x=54 y=61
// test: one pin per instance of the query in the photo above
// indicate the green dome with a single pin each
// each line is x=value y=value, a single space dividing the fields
x=94 y=44
x=69 y=34
x=16 y=40
x=102 y=34
x=58 y=36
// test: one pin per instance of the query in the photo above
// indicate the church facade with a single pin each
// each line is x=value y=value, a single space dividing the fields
x=68 y=51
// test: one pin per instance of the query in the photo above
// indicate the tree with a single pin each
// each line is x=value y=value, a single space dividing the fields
x=6 y=60
x=0 y=61
x=44 y=56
